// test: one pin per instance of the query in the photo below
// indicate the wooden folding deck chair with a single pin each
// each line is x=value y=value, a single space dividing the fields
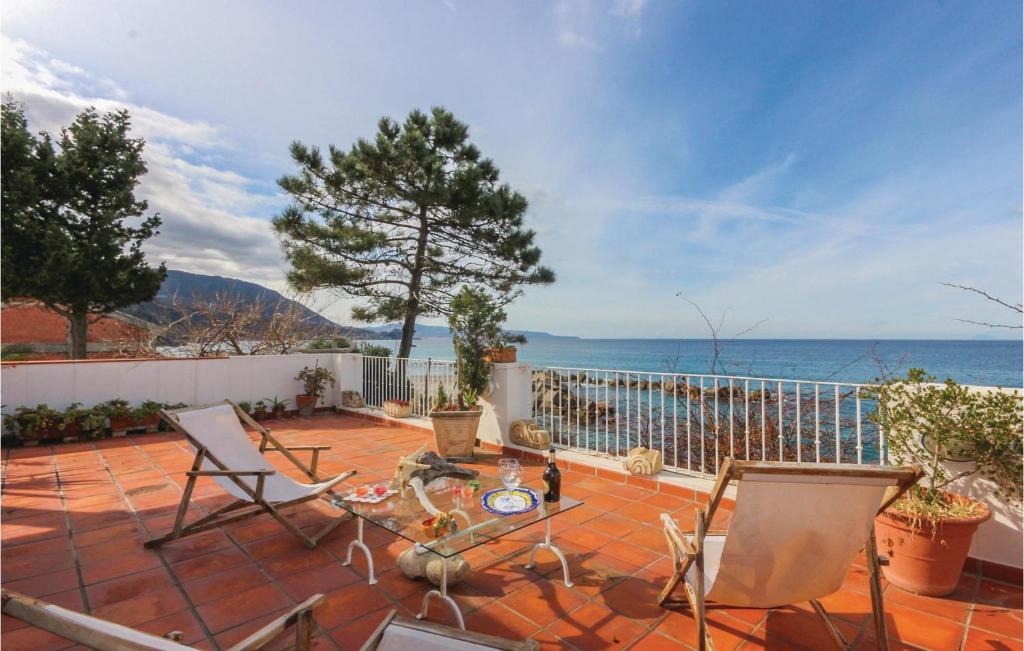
x=402 y=634
x=225 y=453
x=795 y=532
x=103 y=635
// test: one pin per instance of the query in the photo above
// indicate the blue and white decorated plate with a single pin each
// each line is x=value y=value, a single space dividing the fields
x=504 y=502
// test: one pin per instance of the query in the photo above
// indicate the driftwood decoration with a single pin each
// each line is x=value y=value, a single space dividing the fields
x=420 y=468
x=643 y=462
x=352 y=400
x=529 y=434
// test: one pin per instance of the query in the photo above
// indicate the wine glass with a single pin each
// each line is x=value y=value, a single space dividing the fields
x=510 y=473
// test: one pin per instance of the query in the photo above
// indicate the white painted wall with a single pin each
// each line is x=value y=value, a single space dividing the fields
x=192 y=381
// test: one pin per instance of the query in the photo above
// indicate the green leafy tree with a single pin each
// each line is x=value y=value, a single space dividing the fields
x=401 y=222
x=72 y=227
x=475 y=322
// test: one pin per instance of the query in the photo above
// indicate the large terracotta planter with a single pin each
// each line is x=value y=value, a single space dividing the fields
x=455 y=432
x=926 y=559
x=305 y=405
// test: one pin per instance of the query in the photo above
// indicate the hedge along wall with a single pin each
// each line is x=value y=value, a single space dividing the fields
x=192 y=381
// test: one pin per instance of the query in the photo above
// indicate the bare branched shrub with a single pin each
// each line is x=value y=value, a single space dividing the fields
x=234 y=325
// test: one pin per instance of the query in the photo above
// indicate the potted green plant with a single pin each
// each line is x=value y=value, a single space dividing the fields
x=314 y=385
x=39 y=423
x=120 y=415
x=278 y=407
x=83 y=424
x=500 y=349
x=259 y=411
x=147 y=415
x=475 y=323
x=952 y=432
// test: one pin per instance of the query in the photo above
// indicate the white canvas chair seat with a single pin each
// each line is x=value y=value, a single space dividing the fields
x=225 y=453
x=795 y=531
x=402 y=634
x=218 y=429
x=104 y=635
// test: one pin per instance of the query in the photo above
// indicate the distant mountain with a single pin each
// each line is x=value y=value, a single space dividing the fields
x=182 y=288
x=394 y=331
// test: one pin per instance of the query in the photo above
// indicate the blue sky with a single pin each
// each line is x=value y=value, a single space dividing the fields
x=823 y=166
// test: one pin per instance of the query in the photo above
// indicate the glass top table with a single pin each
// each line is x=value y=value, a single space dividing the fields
x=403 y=514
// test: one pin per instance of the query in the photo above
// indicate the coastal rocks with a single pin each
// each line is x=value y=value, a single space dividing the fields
x=431 y=566
x=643 y=462
x=528 y=434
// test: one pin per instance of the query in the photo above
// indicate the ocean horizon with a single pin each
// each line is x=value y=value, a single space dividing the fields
x=988 y=362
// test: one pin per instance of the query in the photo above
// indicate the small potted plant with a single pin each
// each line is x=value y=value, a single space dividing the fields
x=314 y=385
x=147 y=415
x=39 y=423
x=278 y=407
x=259 y=411
x=501 y=349
x=398 y=408
x=245 y=406
x=120 y=415
x=952 y=432
x=84 y=424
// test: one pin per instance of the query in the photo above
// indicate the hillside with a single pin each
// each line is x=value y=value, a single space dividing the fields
x=182 y=288
x=394 y=331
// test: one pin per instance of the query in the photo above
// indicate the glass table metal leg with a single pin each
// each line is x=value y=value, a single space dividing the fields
x=554 y=550
x=442 y=594
x=358 y=542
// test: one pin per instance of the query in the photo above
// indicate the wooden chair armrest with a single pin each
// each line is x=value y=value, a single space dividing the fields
x=229 y=473
x=260 y=638
x=302 y=447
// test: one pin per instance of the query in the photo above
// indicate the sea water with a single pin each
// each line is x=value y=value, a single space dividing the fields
x=991 y=363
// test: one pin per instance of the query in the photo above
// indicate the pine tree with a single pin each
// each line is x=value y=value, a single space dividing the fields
x=401 y=222
x=65 y=238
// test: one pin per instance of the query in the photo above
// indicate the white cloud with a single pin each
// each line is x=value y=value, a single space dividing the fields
x=205 y=226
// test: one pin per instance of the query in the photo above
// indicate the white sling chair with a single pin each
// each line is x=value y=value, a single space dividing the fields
x=795 y=531
x=96 y=633
x=225 y=453
x=401 y=634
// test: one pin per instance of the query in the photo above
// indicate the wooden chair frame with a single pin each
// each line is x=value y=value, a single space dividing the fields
x=241 y=509
x=39 y=614
x=685 y=553
x=485 y=641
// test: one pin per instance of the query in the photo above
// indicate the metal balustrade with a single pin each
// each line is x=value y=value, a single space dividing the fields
x=696 y=420
x=413 y=380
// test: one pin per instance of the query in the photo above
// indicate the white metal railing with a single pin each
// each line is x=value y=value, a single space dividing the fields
x=414 y=380
x=696 y=420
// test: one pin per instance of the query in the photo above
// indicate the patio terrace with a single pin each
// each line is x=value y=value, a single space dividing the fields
x=75 y=517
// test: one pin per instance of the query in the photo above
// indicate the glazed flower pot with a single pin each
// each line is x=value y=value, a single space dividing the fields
x=260 y=414
x=925 y=558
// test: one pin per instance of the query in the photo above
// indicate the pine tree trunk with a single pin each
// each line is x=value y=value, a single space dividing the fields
x=79 y=327
x=412 y=304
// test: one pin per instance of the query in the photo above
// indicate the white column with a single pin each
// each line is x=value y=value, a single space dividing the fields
x=508 y=401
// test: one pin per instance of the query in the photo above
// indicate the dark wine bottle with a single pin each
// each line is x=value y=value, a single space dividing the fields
x=552 y=479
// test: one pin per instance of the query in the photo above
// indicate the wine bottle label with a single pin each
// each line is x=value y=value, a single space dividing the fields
x=546 y=487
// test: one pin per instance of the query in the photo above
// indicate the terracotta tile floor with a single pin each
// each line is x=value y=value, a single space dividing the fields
x=75 y=516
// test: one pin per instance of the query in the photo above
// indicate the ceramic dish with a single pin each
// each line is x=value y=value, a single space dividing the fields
x=504 y=502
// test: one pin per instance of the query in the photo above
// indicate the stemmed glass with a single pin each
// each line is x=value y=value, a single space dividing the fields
x=510 y=473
